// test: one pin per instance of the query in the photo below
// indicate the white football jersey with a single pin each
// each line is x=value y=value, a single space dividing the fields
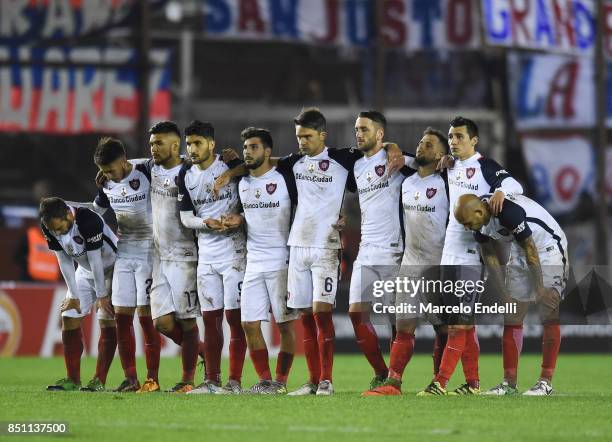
x=425 y=210
x=130 y=199
x=321 y=181
x=88 y=232
x=520 y=218
x=477 y=175
x=173 y=241
x=196 y=195
x=379 y=201
x=267 y=203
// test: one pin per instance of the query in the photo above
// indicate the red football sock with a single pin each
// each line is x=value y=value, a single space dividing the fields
x=126 y=343
x=512 y=344
x=551 y=341
x=326 y=334
x=469 y=358
x=237 y=346
x=283 y=365
x=367 y=340
x=189 y=353
x=261 y=364
x=152 y=346
x=401 y=352
x=176 y=334
x=393 y=335
x=213 y=336
x=202 y=350
x=311 y=347
x=438 y=350
x=73 y=349
x=107 y=344
x=455 y=345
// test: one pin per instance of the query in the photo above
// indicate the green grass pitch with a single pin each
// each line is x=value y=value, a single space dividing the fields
x=580 y=410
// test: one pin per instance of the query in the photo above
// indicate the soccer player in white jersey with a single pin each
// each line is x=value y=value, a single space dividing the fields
x=424 y=198
x=78 y=235
x=267 y=198
x=174 y=298
x=322 y=175
x=221 y=254
x=537 y=271
x=126 y=191
x=380 y=250
x=470 y=173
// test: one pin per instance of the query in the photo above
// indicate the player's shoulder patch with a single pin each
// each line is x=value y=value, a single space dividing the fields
x=89 y=223
x=492 y=165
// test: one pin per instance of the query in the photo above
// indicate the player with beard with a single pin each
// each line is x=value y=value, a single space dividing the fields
x=221 y=254
x=174 y=300
x=267 y=198
x=424 y=197
x=78 y=235
x=127 y=192
x=382 y=242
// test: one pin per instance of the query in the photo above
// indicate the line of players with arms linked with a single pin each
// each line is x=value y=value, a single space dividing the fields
x=268 y=240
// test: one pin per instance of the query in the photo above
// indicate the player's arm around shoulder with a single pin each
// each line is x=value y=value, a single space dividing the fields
x=501 y=182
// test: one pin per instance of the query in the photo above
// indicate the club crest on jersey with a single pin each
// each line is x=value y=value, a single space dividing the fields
x=271 y=188
x=135 y=184
x=257 y=193
x=77 y=239
x=469 y=172
x=311 y=167
x=123 y=191
x=417 y=195
x=380 y=169
x=431 y=192
x=324 y=165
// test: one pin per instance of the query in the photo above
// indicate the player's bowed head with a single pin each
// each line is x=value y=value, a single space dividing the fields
x=111 y=159
x=55 y=215
x=472 y=212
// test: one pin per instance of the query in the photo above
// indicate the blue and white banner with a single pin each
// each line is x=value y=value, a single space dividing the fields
x=553 y=91
x=561 y=169
x=566 y=26
x=407 y=24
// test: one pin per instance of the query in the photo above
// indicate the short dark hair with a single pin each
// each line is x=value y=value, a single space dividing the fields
x=311 y=118
x=165 y=127
x=108 y=150
x=439 y=134
x=263 y=134
x=375 y=116
x=472 y=128
x=52 y=207
x=200 y=128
